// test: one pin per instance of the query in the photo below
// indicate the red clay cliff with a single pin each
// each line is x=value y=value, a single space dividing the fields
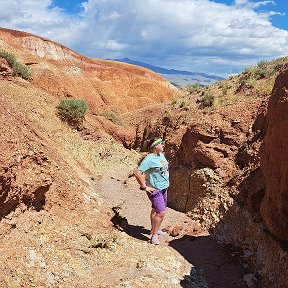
x=274 y=160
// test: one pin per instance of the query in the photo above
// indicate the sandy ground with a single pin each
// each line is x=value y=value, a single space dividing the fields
x=210 y=259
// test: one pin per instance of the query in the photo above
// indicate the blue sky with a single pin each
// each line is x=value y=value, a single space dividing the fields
x=70 y=6
x=220 y=37
x=279 y=6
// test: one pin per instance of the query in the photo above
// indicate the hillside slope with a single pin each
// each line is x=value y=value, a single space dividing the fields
x=104 y=85
x=55 y=230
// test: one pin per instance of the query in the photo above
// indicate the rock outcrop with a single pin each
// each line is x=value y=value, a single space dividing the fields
x=212 y=144
x=274 y=160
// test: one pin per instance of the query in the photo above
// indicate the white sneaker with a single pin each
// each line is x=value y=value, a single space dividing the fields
x=160 y=232
x=154 y=240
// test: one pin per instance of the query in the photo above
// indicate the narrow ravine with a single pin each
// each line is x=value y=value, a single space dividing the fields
x=210 y=263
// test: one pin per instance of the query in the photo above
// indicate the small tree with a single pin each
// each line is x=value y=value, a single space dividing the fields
x=72 y=111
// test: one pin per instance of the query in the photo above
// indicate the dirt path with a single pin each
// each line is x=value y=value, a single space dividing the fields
x=209 y=262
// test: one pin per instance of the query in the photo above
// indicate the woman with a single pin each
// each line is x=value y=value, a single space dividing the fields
x=153 y=177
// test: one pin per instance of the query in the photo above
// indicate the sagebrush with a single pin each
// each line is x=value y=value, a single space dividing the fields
x=113 y=117
x=18 y=68
x=72 y=111
x=207 y=99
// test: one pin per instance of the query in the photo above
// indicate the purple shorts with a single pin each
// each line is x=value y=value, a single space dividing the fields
x=158 y=199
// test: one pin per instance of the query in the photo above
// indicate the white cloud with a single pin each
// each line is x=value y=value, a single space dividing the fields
x=35 y=17
x=240 y=2
x=179 y=34
x=253 y=5
x=109 y=45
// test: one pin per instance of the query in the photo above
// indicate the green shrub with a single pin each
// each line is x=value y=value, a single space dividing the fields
x=261 y=70
x=184 y=105
x=173 y=102
x=207 y=99
x=191 y=88
x=72 y=111
x=225 y=87
x=257 y=72
x=278 y=63
x=113 y=117
x=23 y=70
x=9 y=57
x=249 y=83
x=18 y=68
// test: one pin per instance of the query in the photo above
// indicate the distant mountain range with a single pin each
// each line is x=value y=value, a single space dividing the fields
x=179 y=78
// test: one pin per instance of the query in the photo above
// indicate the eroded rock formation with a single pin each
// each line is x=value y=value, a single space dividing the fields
x=274 y=160
x=104 y=85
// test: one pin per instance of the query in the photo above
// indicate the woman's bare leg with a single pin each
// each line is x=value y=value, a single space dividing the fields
x=156 y=220
x=152 y=215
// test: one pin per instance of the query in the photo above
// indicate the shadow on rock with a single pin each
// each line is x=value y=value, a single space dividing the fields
x=137 y=232
x=120 y=222
x=213 y=266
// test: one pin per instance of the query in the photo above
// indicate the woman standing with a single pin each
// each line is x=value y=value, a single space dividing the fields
x=153 y=177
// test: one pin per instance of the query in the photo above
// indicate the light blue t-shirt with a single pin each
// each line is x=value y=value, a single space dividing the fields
x=156 y=171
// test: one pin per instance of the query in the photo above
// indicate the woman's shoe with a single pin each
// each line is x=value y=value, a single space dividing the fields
x=154 y=240
x=161 y=233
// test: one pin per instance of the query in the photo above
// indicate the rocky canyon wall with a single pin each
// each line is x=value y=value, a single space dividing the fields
x=222 y=180
x=274 y=161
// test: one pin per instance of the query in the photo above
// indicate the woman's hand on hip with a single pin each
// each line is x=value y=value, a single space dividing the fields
x=150 y=189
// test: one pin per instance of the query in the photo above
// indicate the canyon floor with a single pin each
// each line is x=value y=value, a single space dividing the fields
x=208 y=263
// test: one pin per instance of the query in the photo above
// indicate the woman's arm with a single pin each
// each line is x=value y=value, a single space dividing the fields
x=140 y=177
